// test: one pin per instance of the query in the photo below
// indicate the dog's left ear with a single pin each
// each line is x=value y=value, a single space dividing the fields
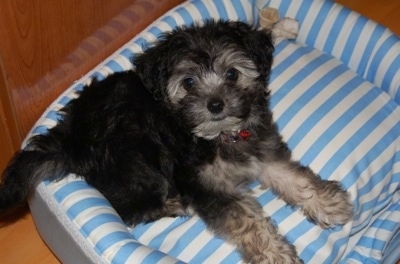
x=259 y=44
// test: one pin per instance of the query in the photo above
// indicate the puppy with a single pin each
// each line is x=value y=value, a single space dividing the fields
x=189 y=129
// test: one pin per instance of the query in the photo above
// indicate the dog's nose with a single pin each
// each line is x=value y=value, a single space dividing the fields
x=215 y=106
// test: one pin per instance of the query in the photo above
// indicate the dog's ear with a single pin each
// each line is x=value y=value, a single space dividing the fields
x=259 y=44
x=155 y=64
x=262 y=44
x=151 y=66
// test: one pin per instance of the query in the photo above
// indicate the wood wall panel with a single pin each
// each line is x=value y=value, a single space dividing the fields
x=385 y=12
x=46 y=45
x=9 y=141
x=39 y=36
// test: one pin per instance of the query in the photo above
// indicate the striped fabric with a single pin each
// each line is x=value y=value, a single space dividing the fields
x=330 y=109
x=369 y=49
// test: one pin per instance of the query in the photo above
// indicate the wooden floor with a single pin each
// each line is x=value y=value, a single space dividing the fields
x=19 y=241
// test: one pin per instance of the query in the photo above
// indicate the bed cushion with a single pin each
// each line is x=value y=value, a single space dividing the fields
x=342 y=125
x=366 y=47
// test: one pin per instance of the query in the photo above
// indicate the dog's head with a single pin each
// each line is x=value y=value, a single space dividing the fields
x=212 y=75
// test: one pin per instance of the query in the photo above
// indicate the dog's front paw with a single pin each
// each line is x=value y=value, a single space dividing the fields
x=332 y=206
x=282 y=253
x=269 y=247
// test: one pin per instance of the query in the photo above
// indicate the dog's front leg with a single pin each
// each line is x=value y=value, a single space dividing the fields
x=323 y=202
x=240 y=220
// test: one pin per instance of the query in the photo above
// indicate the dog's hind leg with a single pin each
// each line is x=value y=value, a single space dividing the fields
x=241 y=221
x=323 y=202
x=144 y=199
x=172 y=207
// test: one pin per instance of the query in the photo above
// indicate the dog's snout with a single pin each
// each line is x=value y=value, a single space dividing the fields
x=215 y=106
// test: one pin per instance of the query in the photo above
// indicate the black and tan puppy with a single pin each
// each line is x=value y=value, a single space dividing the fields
x=189 y=129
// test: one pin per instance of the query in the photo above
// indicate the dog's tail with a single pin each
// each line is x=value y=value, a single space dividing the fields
x=25 y=171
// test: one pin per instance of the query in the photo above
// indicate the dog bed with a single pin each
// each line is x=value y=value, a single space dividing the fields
x=335 y=98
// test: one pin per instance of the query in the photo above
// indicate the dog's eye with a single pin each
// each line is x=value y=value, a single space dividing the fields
x=232 y=74
x=188 y=83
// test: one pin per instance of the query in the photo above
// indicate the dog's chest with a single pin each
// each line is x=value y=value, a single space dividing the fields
x=233 y=166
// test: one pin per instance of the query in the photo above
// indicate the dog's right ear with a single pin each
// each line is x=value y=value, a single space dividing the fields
x=155 y=64
x=151 y=66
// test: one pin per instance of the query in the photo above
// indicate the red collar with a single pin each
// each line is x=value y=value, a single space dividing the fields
x=233 y=137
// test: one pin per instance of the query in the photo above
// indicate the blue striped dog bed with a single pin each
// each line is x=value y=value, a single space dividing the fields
x=335 y=98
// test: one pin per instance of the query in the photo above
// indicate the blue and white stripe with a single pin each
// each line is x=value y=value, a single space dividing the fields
x=369 y=49
x=338 y=113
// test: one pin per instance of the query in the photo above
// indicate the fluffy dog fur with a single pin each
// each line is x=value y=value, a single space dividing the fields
x=189 y=129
